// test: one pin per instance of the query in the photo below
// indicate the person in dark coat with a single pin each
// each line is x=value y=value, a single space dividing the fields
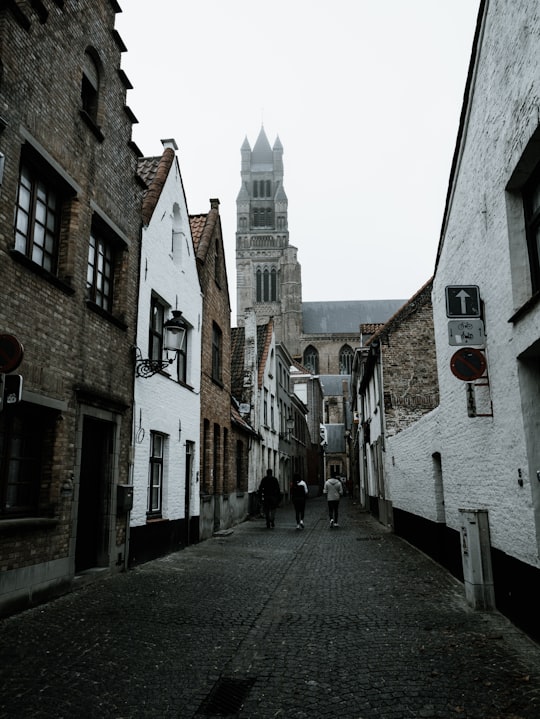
x=270 y=496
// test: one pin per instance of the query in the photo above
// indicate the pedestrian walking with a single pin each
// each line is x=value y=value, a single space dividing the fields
x=270 y=496
x=333 y=490
x=299 y=492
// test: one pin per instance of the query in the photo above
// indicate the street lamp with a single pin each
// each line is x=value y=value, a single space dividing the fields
x=290 y=426
x=174 y=335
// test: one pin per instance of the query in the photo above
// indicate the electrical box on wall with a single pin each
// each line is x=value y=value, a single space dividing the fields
x=124 y=498
x=476 y=557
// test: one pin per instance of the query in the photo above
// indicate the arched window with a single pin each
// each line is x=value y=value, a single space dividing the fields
x=258 y=277
x=90 y=86
x=345 y=360
x=266 y=284
x=311 y=359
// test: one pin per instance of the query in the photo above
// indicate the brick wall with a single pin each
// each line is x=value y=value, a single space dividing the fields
x=75 y=356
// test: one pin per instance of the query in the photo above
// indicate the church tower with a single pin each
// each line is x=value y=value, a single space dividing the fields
x=268 y=275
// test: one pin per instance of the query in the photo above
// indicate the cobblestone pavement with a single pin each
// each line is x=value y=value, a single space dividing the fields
x=351 y=623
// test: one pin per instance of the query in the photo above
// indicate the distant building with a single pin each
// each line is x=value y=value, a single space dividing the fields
x=321 y=336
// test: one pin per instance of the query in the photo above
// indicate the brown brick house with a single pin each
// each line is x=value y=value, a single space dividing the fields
x=69 y=254
x=216 y=477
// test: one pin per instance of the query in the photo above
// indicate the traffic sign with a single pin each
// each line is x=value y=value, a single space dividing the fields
x=466 y=332
x=462 y=301
x=468 y=364
x=11 y=353
x=13 y=384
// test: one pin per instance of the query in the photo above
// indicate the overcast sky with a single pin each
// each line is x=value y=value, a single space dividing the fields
x=365 y=96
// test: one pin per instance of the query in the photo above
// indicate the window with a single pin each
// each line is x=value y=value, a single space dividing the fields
x=531 y=201
x=263 y=217
x=239 y=464
x=155 y=479
x=311 y=359
x=26 y=441
x=262 y=188
x=345 y=360
x=100 y=272
x=216 y=450
x=90 y=87
x=155 y=339
x=226 y=487
x=37 y=222
x=266 y=285
x=182 y=358
x=216 y=353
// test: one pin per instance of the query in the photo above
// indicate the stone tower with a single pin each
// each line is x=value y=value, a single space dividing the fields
x=268 y=275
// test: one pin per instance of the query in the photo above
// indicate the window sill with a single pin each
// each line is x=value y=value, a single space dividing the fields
x=25 y=261
x=155 y=520
x=531 y=303
x=28 y=522
x=106 y=315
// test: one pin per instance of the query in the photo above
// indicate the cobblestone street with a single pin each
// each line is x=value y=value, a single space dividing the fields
x=351 y=623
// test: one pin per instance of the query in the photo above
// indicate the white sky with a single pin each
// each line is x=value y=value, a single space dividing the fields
x=365 y=96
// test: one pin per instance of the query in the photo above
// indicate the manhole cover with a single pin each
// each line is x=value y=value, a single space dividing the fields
x=226 y=698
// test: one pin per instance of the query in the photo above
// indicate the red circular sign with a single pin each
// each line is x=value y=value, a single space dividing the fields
x=468 y=364
x=11 y=353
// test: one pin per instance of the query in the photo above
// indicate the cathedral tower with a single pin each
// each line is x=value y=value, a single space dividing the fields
x=268 y=276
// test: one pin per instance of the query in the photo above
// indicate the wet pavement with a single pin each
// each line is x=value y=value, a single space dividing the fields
x=350 y=622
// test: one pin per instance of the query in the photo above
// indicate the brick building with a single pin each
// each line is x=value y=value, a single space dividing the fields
x=394 y=384
x=217 y=477
x=68 y=273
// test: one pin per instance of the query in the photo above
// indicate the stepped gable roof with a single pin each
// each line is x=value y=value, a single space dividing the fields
x=238 y=338
x=154 y=172
x=345 y=317
x=418 y=300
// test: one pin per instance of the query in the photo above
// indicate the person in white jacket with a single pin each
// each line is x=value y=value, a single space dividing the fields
x=299 y=492
x=333 y=490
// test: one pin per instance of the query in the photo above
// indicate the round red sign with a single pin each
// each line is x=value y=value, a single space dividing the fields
x=468 y=364
x=11 y=353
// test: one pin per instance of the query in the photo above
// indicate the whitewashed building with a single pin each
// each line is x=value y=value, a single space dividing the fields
x=472 y=466
x=165 y=514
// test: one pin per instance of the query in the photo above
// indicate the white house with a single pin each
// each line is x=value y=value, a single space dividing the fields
x=473 y=465
x=167 y=384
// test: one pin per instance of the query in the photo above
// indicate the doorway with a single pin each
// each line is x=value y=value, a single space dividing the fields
x=91 y=549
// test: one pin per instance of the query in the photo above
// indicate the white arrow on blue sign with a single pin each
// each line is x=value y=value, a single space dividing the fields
x=462 y=301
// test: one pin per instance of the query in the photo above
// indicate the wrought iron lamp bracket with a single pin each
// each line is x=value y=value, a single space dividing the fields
x=149 y=367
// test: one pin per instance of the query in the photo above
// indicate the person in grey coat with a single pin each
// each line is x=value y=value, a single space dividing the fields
x=333 y=490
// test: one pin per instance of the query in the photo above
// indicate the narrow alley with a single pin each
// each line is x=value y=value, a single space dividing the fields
x=350 y=622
